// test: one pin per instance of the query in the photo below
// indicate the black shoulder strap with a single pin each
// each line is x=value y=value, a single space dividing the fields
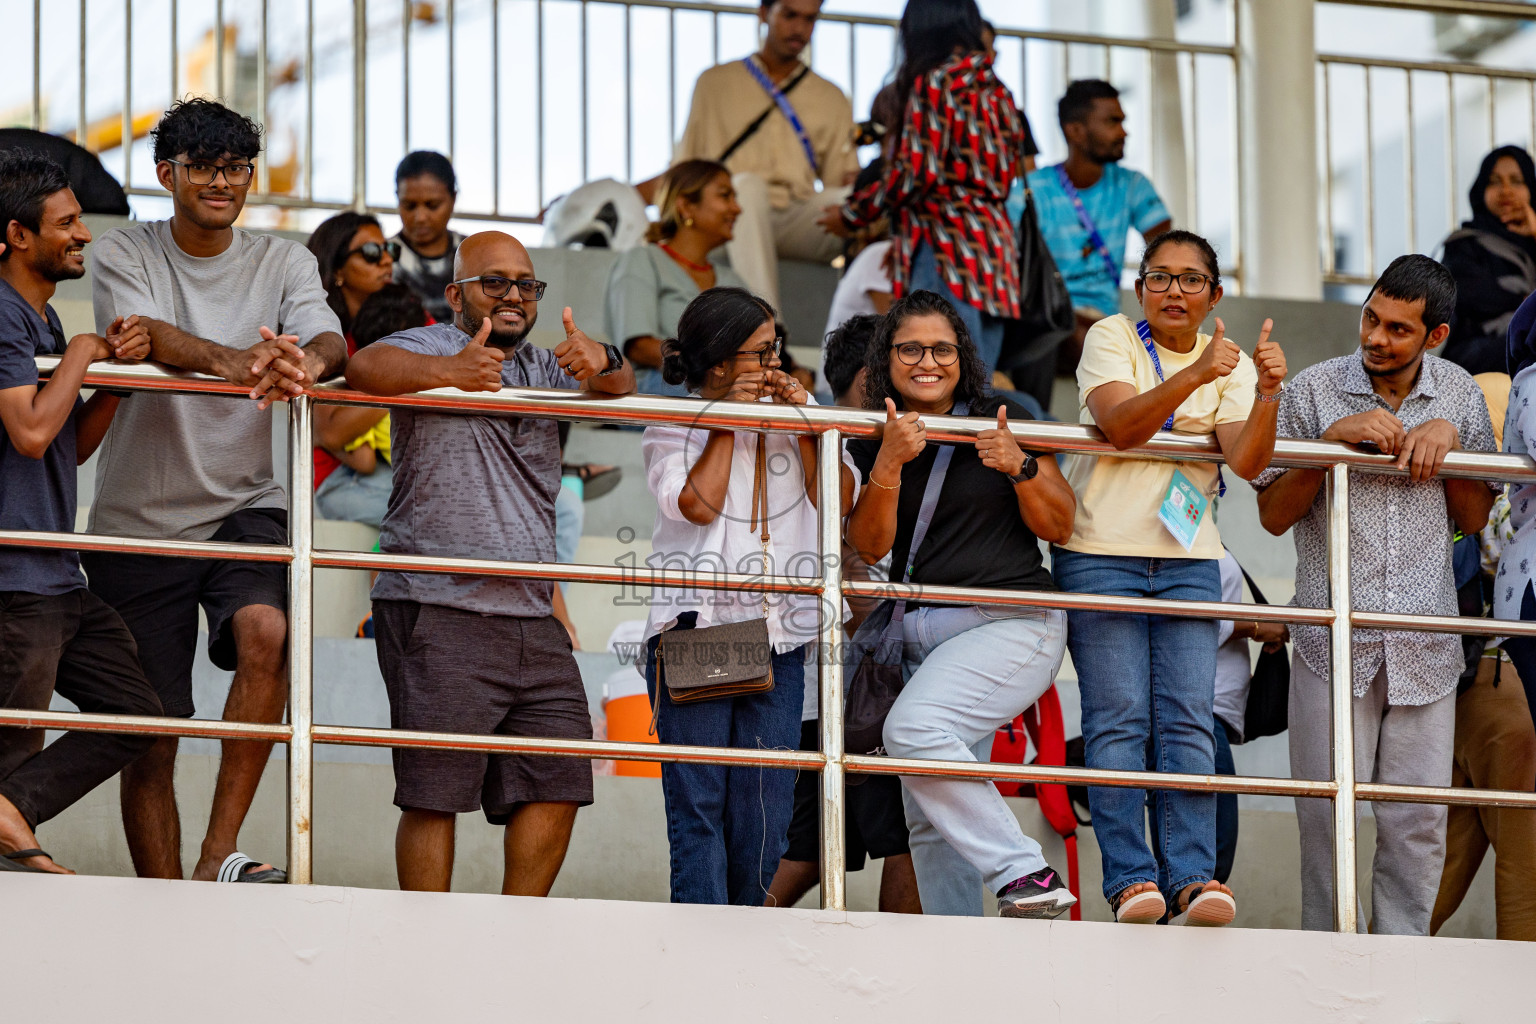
x=1258 y=595
x=752 y=128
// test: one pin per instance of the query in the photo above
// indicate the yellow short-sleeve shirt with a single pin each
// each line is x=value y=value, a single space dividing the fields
x=1118 y=498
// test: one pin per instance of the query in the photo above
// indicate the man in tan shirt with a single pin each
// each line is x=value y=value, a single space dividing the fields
x=772 y=169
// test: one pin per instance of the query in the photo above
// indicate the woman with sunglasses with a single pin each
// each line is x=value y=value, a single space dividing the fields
x=1144 y=530
x=971 y=668
x=355 y=264
x=728 y=827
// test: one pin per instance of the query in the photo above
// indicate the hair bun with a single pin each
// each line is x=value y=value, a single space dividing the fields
x=673 y=371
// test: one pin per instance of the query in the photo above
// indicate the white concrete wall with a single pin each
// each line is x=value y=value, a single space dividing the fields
x=127 y=951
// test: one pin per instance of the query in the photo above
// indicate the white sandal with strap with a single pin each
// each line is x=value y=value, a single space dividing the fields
x=237 y=867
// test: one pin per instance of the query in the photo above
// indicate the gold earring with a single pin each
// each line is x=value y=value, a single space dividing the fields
x=687 y=222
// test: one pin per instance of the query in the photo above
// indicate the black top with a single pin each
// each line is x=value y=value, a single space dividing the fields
x=1495 y=269
x=977 y=537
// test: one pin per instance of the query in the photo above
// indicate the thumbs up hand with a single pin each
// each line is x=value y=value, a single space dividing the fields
x=477 y=367
x=579 y=356
x=998 y=449
x=1269 y=360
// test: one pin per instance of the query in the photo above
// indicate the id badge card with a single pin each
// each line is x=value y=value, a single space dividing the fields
x=1183 y=509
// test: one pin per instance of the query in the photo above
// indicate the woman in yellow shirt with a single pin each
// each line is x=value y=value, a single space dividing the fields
x=1143 y=529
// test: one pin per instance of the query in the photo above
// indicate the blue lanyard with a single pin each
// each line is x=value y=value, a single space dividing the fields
x=1144 y=332
x=785 y=108
x=1094 y=238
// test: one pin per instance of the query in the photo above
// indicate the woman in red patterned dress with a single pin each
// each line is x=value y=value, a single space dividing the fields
x=945 y=186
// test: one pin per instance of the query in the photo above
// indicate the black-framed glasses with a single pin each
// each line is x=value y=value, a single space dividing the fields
x=373 y=252
x=944 y=353
x=764 y=355
x=496 y=287
x=235 y=175
x=1190 y=283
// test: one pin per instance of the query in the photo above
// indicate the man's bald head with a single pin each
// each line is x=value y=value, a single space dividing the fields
x=493 y=254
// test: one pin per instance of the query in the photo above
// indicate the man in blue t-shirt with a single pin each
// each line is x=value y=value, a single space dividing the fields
x=1088 y=242
x=54 y=633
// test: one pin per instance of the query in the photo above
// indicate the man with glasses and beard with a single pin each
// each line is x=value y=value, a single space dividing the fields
x=250 y=309
x=54 y=633
x=480 y=654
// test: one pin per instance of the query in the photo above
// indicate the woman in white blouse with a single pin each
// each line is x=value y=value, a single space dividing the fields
x=727 y=826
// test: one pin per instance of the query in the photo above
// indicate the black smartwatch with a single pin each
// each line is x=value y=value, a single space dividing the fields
x=615 y=360
x=1027 y=471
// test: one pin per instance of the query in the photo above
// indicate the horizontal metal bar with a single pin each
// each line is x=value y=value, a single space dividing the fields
x=1440 y=67
x=1480 y=8
x=287 y=202
x=1459 y=796
x=605 y=749
x=854 y=423
x=144 y=725
x=1442 y=624
x=1089 y=776
x=566 y=572
x=930 y=594
x=140 y=546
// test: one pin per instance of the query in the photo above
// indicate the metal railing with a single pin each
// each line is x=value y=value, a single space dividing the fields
x=1456 y=92
x=831 y=425
x=246 y=73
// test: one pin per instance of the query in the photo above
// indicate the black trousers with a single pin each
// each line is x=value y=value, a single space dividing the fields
x=77 y=645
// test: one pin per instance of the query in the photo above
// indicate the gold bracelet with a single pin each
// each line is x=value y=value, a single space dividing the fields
x=885 y=487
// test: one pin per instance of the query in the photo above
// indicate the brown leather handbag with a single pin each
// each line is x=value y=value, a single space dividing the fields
x=731 y=658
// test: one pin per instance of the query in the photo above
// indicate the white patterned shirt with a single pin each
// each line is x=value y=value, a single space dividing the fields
x=1399 y=531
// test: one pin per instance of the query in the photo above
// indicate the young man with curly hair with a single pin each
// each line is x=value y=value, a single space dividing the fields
x=250 y=309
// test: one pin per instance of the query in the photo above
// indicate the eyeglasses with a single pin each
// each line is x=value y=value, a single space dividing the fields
x=1161 y=281
x=373 y=252
x=235 y=175
x=764 y=355
x=499 y=287
x=911 y=353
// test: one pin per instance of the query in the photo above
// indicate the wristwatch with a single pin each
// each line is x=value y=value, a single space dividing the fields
x=615 y=360
x=1027 y=471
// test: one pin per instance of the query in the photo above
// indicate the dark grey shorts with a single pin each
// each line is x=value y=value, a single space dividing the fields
x=448 y=670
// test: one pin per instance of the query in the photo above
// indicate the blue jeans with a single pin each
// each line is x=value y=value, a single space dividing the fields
x=971 y=669
x=1144 y=677
x=1226 y=812
x=727 y=827
x=986 y=329
x=355 y=497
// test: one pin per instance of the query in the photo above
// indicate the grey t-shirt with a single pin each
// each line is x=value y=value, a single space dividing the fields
x=177 y=466
x=473 y=487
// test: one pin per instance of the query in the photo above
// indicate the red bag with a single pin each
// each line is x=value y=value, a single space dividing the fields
x=1042 y=725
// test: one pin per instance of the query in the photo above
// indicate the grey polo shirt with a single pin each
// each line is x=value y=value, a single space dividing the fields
x=469 y=486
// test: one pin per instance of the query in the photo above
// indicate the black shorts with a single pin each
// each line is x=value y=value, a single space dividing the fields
x=158 y=598
x=875 y=822
x=448 y=670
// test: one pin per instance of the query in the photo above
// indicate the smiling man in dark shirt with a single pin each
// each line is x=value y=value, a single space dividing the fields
x=54 y=633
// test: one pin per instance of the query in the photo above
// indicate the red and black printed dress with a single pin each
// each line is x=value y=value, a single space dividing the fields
x=961 y=146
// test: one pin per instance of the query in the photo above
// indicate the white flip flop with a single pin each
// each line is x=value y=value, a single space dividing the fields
x=237 y=867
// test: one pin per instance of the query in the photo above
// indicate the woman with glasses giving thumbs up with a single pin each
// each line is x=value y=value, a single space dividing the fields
x=1144 y=530
x=967 y=516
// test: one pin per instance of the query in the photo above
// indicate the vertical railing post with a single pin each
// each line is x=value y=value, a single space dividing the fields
x=829 y=521
x=1343 y=697
x=301 y=636
x=359 y=105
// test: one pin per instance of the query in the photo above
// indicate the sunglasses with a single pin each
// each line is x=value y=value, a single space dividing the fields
x=373 y=252
x=499 y=287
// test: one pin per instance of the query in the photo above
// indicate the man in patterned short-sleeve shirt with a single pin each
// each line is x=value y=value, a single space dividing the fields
x=480 y=654
x=1393 y=397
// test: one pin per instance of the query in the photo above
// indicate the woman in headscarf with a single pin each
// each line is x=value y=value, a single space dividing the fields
x=1514 y=596
x=1493 y=258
